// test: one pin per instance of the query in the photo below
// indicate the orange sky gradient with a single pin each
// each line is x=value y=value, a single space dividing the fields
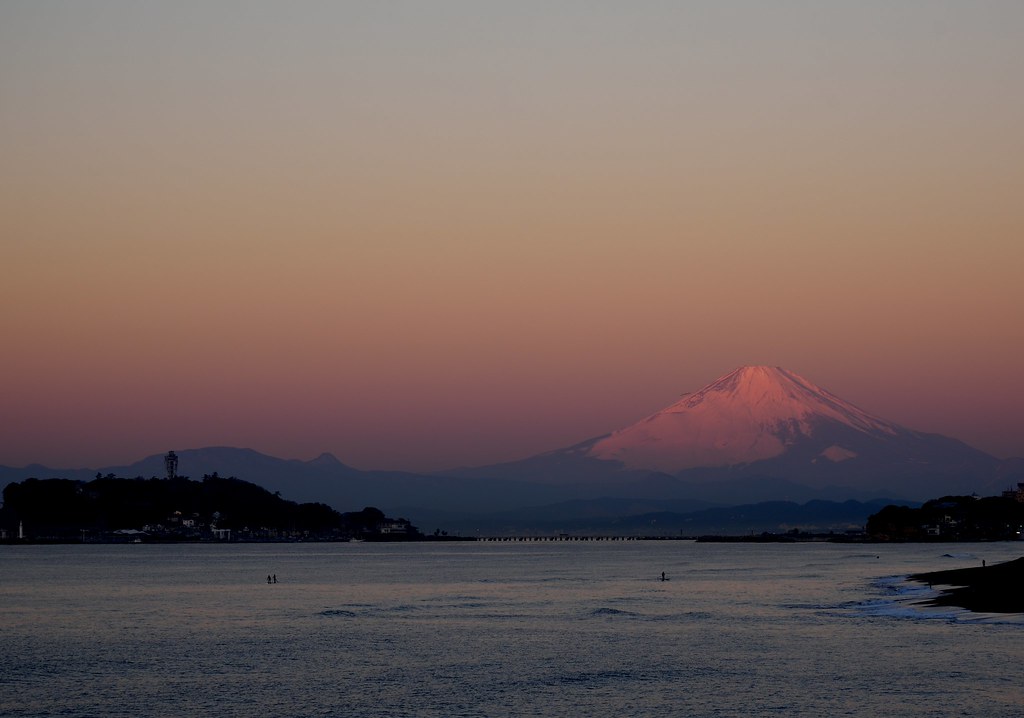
x=425 y=235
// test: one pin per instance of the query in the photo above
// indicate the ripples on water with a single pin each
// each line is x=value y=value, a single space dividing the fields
x=560 y=629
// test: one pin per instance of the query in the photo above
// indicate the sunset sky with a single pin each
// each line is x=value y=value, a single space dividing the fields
x=421 y=235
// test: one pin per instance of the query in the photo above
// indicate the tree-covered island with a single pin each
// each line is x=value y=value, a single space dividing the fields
x=110 y=509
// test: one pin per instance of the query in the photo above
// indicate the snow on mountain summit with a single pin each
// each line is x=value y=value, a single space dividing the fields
x=750 y=414
x=766 y=432
x=772 y=394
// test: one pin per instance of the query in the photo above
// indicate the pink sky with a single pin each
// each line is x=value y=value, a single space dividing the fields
x=422 y=235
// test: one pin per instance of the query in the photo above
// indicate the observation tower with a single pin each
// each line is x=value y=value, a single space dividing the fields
x=171 y=462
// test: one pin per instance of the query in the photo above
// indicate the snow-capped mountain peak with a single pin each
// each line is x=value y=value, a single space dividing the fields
x=750 y=414
x=771 y=394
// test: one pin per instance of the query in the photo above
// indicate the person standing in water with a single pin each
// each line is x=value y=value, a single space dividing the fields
x=268 y=578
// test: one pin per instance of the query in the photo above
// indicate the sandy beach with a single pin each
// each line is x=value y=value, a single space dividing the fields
x=985 y=589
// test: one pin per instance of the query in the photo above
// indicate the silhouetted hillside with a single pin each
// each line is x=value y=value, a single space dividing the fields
x=178 y=509
x=950 y=518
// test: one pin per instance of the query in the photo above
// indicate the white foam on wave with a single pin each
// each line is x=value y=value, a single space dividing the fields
x=902 y=586
x=902 y=598
x=897 y=609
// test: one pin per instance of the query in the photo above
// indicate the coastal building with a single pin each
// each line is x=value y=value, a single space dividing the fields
x=395 y=528
x=1015 y=494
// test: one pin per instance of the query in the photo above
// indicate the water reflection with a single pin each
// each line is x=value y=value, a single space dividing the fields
x=491 y=630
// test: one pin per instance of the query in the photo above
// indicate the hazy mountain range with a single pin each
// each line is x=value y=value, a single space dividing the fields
x=757 y=434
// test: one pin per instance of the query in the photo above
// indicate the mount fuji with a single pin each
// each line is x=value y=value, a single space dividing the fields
x=757 y=434
x=768 y=433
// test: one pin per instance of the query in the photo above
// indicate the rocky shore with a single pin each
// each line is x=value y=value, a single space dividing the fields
x=984 y=589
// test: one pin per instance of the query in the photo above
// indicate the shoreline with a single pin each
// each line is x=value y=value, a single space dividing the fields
x=981 y=589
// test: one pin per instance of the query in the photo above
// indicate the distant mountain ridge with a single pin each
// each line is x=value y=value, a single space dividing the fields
x=324 y=479
x=756 y=434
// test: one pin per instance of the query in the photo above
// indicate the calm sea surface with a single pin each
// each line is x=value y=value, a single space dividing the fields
x=479 y=629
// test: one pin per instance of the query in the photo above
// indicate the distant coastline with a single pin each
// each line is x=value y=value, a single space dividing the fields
x=178 y=510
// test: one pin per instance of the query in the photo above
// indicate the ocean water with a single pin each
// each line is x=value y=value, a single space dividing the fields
x=498 y=629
